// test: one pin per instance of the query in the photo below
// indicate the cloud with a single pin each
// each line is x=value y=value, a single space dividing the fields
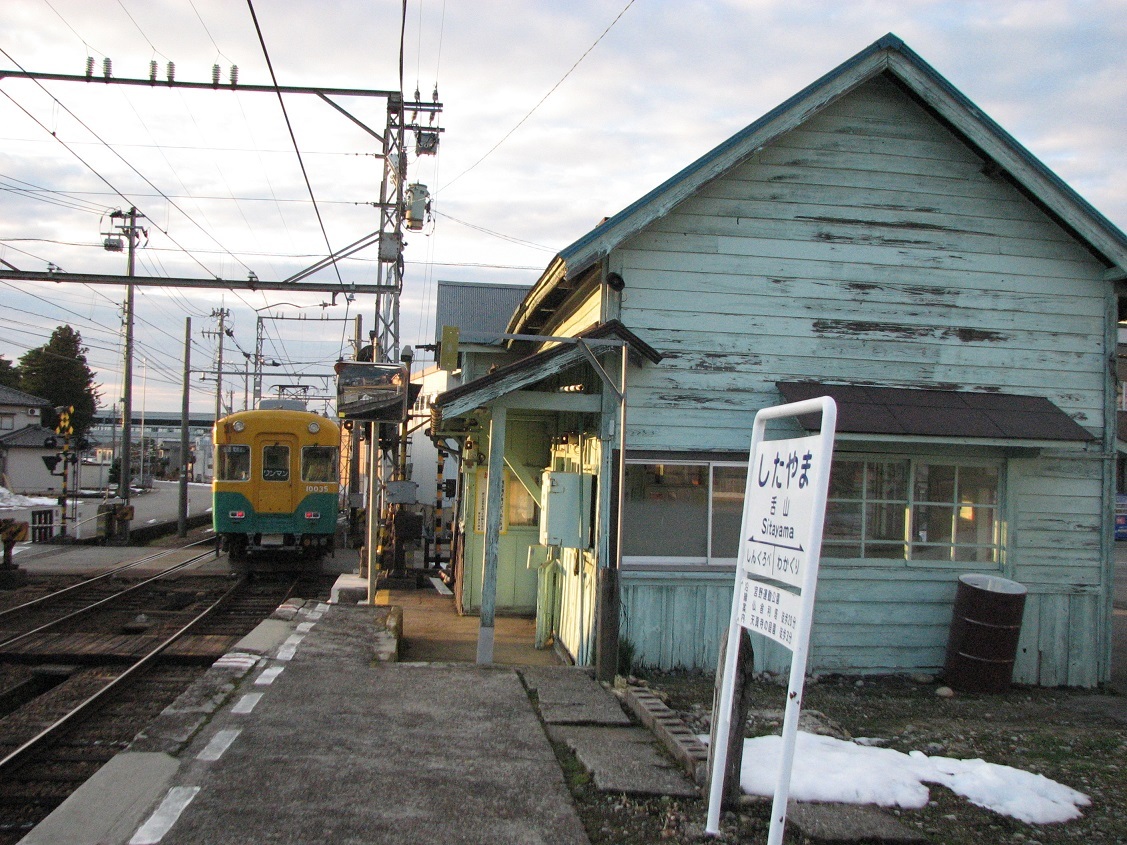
x=669 y=81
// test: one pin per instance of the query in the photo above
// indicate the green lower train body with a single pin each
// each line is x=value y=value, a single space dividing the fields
x=310 y=528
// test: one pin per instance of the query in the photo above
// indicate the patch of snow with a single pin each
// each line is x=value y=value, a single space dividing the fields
x=834 y=770
x=8 y=499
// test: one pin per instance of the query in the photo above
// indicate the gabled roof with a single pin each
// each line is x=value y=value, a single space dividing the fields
x=33 y=436
x=889 y=55
x=11 y=396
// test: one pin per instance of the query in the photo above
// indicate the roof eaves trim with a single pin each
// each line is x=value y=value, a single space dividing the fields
x=517 y=375
x=786 y=116
x=994 y=141
x=555 y=273
x=891 y=54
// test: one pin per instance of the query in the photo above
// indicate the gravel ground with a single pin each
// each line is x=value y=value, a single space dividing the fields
x=1076 y=737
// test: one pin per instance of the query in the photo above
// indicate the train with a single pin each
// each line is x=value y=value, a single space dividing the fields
x=275 y=494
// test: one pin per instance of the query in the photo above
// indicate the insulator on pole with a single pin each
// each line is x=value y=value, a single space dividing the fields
x=89 y=66
x=107 y=67
x=153 y=70
x=234 y=75
x=171 y=71
x=215 y=74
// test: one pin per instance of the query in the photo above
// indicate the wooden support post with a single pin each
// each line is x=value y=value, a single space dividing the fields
x=741 y=699
x=439 y=496
x=495 y=475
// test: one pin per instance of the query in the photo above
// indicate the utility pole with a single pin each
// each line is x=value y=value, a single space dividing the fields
x=182 y=513
x=113 y=243
x=257 y=396
x=222 y=314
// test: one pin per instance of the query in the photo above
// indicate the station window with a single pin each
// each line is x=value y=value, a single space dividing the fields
x=232 y=463
x=683 y=513
x=276 y=463
x=319 y=463
x=913 y=509
x=523 y=508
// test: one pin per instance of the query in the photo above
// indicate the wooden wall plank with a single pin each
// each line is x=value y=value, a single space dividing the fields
x=868 y=245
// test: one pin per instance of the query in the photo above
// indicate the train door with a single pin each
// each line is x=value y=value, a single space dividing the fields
x=276 y=454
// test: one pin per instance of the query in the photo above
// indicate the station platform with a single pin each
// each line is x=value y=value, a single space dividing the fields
x=314 y=729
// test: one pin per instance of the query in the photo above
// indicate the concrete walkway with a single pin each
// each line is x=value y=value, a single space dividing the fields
x=309 y=732
x=339 y=750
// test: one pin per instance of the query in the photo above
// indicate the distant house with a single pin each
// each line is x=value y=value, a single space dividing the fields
x=878 y=238
x=24 y=442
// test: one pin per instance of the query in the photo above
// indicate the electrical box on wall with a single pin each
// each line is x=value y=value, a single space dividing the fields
x=566 y=499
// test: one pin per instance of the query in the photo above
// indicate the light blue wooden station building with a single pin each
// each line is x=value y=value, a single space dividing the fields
x=875 y=237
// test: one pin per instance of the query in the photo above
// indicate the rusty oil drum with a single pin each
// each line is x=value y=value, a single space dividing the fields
x=984 y=632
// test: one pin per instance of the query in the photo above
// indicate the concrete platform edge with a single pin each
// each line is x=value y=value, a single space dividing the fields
x=136 y=780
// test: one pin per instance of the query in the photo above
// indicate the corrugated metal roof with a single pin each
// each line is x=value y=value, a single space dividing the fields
x=480 y=311
x=864 y=409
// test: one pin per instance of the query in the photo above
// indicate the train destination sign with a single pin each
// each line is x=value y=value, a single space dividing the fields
x=780 y=546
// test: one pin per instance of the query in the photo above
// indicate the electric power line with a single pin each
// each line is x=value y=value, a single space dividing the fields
x=551 y=91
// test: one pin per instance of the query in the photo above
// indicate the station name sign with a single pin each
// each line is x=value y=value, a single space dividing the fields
x=776 y=577
x=776 y=544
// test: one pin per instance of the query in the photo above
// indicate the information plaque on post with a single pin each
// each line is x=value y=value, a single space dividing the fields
x=776 y=575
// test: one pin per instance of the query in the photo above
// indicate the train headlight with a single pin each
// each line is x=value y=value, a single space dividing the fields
x=237 y=515
x=238 y=425
x=314 y=427
x=311 y=515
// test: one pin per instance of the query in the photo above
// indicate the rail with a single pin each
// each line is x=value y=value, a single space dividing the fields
x=176 y=568
x=44 y=736
x=105 y=574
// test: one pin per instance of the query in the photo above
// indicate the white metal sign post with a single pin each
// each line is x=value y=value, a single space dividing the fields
x=780 y=546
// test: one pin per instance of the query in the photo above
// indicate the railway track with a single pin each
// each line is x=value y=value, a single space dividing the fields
x=75 y=693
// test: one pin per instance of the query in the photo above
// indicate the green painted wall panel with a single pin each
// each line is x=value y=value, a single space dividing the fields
x=869 y=246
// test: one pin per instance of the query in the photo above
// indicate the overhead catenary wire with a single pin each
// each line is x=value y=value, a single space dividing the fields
x=138 y=26
x=151 y=258
x=66 y=23
x=112 y=187
x=551 y=91
x=293 y=138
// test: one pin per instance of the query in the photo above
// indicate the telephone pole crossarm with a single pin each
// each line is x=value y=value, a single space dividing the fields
x=203 y=86
x=179 y=282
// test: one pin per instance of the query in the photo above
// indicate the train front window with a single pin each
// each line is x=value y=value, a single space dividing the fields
x=233 y=463
x=319 y=463
x=276 y=463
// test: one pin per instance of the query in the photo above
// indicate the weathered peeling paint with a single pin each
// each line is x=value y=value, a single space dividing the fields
x=862 y=327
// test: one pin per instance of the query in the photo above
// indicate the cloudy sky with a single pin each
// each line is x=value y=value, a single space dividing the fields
x=556 y=114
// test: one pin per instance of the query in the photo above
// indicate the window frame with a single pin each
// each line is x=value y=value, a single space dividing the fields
x=709 y=562
x=951 y=559
x=695 y=562
x=222 y=464
x=266 y=464
x=334 y=464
